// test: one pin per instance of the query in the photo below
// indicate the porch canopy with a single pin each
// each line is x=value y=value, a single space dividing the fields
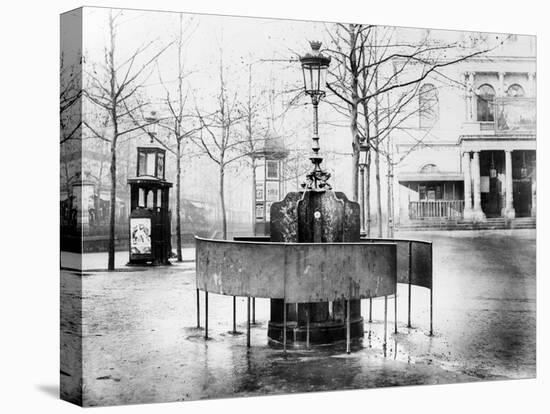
x=405 y=177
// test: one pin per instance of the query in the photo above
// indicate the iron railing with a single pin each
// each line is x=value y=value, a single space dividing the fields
x=450 y=209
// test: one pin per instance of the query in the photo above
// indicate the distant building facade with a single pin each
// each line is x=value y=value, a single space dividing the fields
x=470 y=152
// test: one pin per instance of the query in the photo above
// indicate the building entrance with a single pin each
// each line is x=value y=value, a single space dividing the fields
x=523 y=171
x=522 y=197
x=492 y=182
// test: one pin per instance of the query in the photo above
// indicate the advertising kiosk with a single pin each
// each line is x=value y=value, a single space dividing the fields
x=149 y=224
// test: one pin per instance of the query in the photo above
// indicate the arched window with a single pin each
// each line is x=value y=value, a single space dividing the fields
x=428 y=105
x=485 y=102
x=515 y=90
x=429 y=168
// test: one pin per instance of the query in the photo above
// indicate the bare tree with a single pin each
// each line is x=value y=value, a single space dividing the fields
x=70 y=113
x=114 y=87
x=264 y=123
x=70 y=92
x=180 y=122
x=96 y=163
x=218 y=136
x=296 y=166
x=347 y=52
x=256 y=133
x=371 y=63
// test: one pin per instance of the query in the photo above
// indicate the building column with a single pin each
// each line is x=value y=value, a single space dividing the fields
x=501 y=91
x=466 y=92
x=476 y=178
x=467 y=186
x=509 y=211
x=469 y=96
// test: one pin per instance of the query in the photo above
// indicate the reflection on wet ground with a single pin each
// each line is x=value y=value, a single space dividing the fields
x=141 y=343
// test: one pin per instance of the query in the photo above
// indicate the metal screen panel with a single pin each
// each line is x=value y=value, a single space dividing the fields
x=240 y=268
x=421 y=260
x=421 y=266
x=328 y=272
x=297 y=272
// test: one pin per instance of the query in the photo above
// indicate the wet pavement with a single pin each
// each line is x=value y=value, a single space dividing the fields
x=141 y=344
x=98 y=261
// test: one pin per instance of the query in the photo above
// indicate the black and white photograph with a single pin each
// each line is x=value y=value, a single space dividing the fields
x=259 y=206
x=267 y=207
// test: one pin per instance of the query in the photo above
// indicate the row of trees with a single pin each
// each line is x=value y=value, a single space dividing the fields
x=374 y=83
x=376 y=86
x=117 y=88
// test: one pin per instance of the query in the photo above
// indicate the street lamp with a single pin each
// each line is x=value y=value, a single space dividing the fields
x=314 y=68
x=151 y=126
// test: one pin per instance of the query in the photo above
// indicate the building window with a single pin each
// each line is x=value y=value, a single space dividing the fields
x=429 y=168
x=260 y=191
x=159 y=197
x=149 y=199
x=150 y=164
x=485 y=102
x=273 y=169
x=515 y=90
x=422 y=192
x=160 y=166
x=428 y=105
x=142 y=157
x=430 y=192
x=141 y=197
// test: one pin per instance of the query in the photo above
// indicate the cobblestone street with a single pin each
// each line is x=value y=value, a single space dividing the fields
x=141 y=344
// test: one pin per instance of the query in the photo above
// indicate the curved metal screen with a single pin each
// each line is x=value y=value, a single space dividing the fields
x=297 y=272
x=416 y=269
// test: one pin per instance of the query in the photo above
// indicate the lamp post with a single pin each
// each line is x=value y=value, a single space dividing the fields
x=314 y=68
x=314 y=216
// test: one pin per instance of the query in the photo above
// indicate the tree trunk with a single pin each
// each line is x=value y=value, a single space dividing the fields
x=112 y=212
x=356 y=143
x=297 y=172
x=377 y=155
x=388 y=201
x=378 y=189
x=367 y=193
x=128 y=198
x=355 y=172
x=390 y=189
x=178 y=202
x=368 y=163
x=392 y=202
x=114 y=118
x=362 y=199
x=253 y=196
x=222 y=202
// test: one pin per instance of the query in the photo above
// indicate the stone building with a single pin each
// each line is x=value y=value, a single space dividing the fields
x=470 y=152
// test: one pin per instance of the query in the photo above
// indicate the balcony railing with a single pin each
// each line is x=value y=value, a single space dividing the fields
x=512 y=115
x=486 y=126
x=448 y=209
x=515 y=115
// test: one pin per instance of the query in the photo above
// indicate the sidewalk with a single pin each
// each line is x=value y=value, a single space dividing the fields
x=98 y=261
